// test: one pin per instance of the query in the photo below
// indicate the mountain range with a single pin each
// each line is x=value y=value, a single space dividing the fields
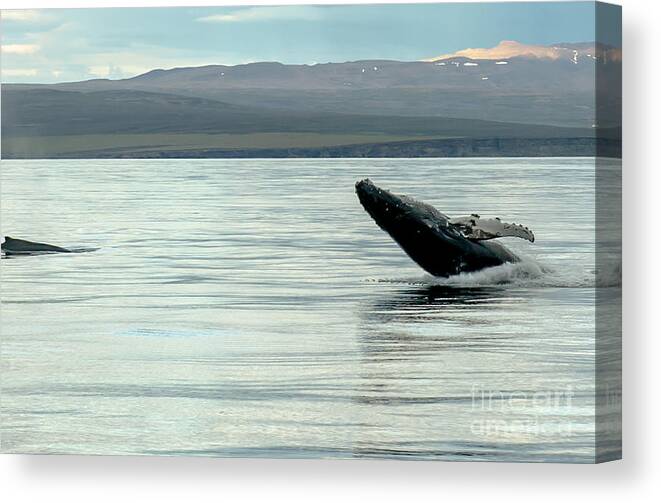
x=510 y=92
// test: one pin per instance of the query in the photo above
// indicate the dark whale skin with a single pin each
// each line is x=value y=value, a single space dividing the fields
x=426 y=235
x=12 y=246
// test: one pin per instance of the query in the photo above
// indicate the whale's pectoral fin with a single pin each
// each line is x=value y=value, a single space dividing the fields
x=479 y=229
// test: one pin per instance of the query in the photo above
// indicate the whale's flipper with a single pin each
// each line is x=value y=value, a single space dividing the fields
x=479 y=229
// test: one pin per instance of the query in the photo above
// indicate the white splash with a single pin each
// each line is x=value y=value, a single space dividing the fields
x=520 y=273
x=525 y=274
x=501 y=62
x=468 y=63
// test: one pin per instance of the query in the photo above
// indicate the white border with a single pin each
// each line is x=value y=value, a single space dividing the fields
x=113 y=479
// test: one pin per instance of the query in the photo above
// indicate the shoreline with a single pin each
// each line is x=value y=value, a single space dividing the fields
x=426 y=148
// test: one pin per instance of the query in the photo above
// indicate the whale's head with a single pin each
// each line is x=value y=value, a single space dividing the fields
x=392 y=211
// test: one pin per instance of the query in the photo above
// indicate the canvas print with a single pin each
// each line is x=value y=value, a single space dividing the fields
x=313 y=231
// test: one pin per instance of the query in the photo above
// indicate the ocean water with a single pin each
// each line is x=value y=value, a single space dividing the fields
x=252 y=308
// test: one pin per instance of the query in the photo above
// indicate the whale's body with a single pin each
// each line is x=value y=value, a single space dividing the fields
x=428 y=236
x=12 y=246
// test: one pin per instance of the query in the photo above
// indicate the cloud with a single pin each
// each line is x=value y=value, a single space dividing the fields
x=100 y=70
x=19 y=72
x=511 y=49
x=20 y=48
x=265 y=14
x=22 y=15
x=111 y=71
x=504 y=50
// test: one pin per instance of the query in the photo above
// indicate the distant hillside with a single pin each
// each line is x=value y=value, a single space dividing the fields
x=52 y=123
x=37 y=112
x=537 y=92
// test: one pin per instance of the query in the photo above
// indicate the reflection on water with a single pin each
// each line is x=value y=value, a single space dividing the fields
x=387 y=330
x=274 y=319
x=429 y=302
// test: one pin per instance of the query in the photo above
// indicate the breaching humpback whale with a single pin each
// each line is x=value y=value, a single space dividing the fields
x=13 y=246
x=441 y=245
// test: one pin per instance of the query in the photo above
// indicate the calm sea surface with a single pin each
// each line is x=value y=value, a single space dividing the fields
x=252 y=308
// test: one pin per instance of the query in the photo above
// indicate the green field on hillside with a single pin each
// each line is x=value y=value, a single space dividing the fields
x=75 y=145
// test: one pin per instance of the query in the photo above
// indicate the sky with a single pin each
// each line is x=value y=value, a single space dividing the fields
x=59 y=45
